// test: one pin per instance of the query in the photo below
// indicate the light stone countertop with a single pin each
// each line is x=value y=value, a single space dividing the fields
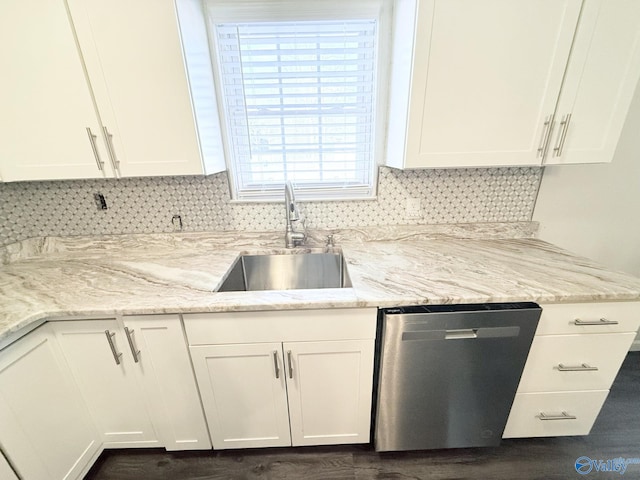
x=178 y=273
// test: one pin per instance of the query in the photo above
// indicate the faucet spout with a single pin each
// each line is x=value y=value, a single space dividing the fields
x=292 y=238
x=290 y=203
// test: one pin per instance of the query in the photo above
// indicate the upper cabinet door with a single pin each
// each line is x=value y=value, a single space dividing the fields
x=45 y=102
x=599 y=84
x=135 y=64
x=485 y=80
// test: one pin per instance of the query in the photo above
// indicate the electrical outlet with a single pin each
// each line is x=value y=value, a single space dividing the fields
x=413 y=209
x=101 y=202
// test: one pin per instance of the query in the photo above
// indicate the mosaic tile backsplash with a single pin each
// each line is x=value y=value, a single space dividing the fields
x=147 y=205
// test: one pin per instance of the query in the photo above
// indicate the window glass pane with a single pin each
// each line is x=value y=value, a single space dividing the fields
x=299 y=102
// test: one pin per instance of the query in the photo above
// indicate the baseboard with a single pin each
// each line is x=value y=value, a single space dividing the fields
x=635 y=346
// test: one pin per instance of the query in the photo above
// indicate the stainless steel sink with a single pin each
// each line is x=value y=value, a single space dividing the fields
x=287 y=272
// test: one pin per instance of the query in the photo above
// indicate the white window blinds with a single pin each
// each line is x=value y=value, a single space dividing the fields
x=299 y=102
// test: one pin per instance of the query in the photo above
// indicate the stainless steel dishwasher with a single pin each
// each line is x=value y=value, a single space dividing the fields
x=448 y=373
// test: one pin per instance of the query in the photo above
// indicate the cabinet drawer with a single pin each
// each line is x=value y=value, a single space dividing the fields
x=525 y=417
x=563 y=362
x=561 y=318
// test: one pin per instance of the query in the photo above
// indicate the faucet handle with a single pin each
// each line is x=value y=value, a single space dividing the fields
x=330 y=241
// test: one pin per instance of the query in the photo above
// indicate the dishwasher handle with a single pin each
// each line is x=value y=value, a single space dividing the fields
x=416 y=332
x=461 y=334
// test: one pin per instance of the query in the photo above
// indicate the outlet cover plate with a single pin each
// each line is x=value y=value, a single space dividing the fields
x=413 y=208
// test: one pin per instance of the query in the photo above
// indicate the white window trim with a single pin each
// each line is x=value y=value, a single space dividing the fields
x=220 y=11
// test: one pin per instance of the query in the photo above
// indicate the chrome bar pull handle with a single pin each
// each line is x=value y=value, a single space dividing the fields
x=134 y=351
x=564 y=128
x=116 y=356
x=562 y=416
x=546 y=134
x=275 y=363
x=290 y=361
x=602 y=321
x=577 y=368
x=112 y=153
x=92 y=141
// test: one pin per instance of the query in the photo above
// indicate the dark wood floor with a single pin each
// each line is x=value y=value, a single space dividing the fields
x=615 y=434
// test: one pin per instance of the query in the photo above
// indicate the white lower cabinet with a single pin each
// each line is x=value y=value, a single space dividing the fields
x=100 y=361
x=168 y=381
x=136 y=379
x=285 y=378
x=329 y=391
x=244 y=392
x=574 y=358
x=46 y=430
x=554 y=414
x=575 y=362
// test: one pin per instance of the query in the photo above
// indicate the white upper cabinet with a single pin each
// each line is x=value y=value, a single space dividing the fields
x=485 y=79
x=134 y=60
x=505 y=82
x=45 y=102
x=599 y=83
x=116 y=68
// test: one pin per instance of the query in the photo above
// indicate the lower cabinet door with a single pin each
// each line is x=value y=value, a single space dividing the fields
x=553 y=414
x=329 y=387
x=244 y=394
x=45 y=429
x=105 y=372
x=162 y=358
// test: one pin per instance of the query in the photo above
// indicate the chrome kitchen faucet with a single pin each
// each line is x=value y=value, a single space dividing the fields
x=292 y=238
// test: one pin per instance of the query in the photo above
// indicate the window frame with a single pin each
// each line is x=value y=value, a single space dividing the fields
x=248 y=11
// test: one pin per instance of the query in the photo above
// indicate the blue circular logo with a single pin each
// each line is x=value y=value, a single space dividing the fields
x=583 y=465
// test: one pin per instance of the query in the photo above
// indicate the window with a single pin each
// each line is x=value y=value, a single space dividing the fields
x=299 y=94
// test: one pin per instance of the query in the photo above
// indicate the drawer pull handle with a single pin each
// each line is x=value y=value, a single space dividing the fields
x=576 y=368
x=602 y=321
x=563 y=416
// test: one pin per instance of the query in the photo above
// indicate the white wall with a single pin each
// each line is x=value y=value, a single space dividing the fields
x=594 y=210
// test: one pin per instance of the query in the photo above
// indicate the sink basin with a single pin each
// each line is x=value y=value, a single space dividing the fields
x=287 y=272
